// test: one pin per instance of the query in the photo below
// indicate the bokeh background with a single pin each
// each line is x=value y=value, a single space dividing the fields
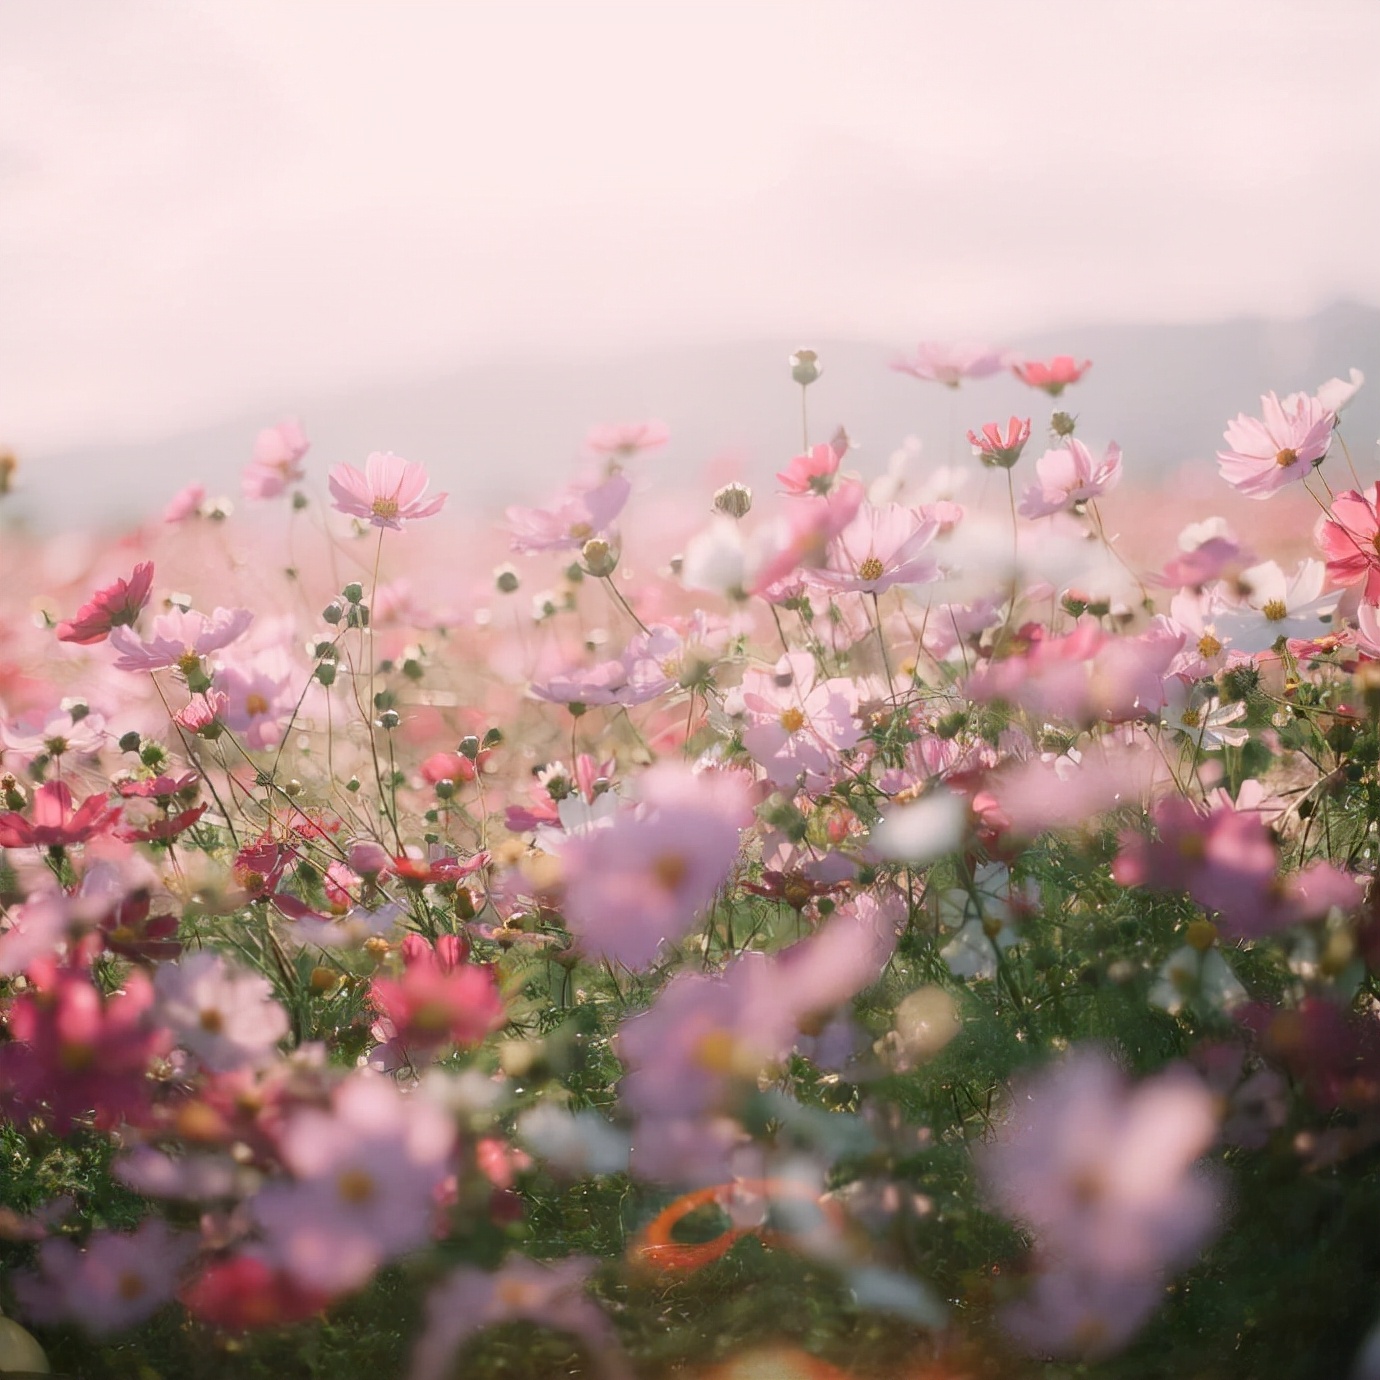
x=468 y=231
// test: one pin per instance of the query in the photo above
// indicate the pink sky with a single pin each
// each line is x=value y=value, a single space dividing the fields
x=206 y=204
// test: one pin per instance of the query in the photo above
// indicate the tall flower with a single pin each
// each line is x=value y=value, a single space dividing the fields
x=114 y=606
x=1265 y=453
x=388 y=492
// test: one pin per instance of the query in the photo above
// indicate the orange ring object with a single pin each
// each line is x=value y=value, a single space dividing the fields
x=654 y=1248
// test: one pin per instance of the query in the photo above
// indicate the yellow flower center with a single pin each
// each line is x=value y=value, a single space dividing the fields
x=1190 y=718
x=1286 y=457
x=385 y=507
x=871 y=569
x=1202 y=935
x=1208 y=646
x=211 y=1021
x=581 y=531
x=1275 y=610
x=792 y=719
x=188 y=662
x=669 y=869
x=255 y=704
x=355 y=1186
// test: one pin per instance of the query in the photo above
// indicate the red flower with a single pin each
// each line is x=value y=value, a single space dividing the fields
x=245 y=1291
x=115 y=606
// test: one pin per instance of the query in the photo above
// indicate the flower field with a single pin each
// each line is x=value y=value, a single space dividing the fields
x=896 y=924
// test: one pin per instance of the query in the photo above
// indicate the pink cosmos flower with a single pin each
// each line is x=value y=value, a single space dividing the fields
x=275 y=462
x=1054 y=376
x=647 y=875
x=1336 y=394
x=185 y=503
x=578 y=516
x=388 y=492
x=1103 y=1175
x=1068 y=476
x=551 y=1295
x=797 y=725
x=115 y=606
x=881 y=547
x=622 y=440
x=116 y=1280
x=996 y=449
x=633 y=678
x=1350 y=539
x=951 y=364
x=365 y=1178
x=179 y=638
x=440 y=998
x=225 y=1016
x=244 y=1291
x=1263 y=455
x=53 y=823
x=813 y=472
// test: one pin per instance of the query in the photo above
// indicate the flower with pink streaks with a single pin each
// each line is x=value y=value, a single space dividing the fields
x=275 y=462
x=114 y=606
x=648 y=874
x=386 y=494
x=180 y=638
x=1265 y=453
x=116 y=1280
x=78 y=1052
x=53 y=823
x=440 y=998
x=550 y=1295
x=1103 y=1175
x=813 y=472
x=623 y=440
x=223 y=1015
x=1350 y=540
x=581 y=514
x=881 y=547
x=1053 y=376
x=1068 y=476
x=951 y=364
x=365 y=1178
x=997 y=449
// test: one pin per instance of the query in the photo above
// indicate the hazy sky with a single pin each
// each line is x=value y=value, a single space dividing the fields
x=206 y=203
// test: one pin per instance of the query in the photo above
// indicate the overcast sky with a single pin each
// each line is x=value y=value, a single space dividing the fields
x=207 y=203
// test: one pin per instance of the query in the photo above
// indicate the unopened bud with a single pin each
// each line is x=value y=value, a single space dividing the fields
x=1061 y=424
x=332 y=613
x=805 y=367
x=733 y=500
x=468 y=747
x=506 y=580
x=599 y=557
x=353 y=592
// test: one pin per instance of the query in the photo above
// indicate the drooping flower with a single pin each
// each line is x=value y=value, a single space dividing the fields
x=1053 y=376
x=115 y=606
x=951 y=364
x=274 y=465
x=386 y=494
x=1265 y=453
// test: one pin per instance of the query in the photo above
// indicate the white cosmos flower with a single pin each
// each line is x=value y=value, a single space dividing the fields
x=1276 y=605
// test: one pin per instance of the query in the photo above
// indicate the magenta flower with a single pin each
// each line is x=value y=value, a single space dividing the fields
x=388 y=492
x=275 y=462
x=1068 y=476
x=997 y=449
x=53 y=823
x=115 y=606
x=180 y=638
x=1054 y=376
x=1265 y=454
x=951 y=364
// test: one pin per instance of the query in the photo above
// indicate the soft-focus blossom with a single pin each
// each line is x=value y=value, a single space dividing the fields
x=53 y=822
x=1265 y=453
x=1054 y=375
x=1068 y=476
x=225 y=1016
x=1000 y=449
x=185 y=503
x=622 y=440
x=115 y=606
x=276 y=460
x=881 y=547
x=1336 y=394
x=386 y=494
x=812 y=472
x=1349 y=536
x=951 y=364
x=582 y=514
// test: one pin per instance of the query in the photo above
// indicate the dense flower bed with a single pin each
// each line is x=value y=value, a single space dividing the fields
x=907 y=930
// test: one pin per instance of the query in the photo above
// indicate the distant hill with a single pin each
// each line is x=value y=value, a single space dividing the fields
x=509 y=429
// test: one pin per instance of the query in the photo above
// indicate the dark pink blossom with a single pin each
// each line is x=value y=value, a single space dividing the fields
x=115 y=606
x=1053 y=376
x=53 y=823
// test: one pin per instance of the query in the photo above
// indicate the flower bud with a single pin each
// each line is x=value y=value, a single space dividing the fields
x=353 y=592
x=1062 y=425
x=733 y=500
x=805 y=367
x=468 y=747
x=506 y=580
x=599 y=557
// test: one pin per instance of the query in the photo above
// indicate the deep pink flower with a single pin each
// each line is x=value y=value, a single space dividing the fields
x=1350 y=539
x=244 y=1291
x=951 y=364
x=813 y=472
x=996 y=449
x=1263 y=455
x=440 y=998
x=115 y=606
x=1054 y=376
x=275 y=461
x=388 y=492
x=53 y=822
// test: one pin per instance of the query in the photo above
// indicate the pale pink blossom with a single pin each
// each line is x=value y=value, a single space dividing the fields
x=387 y=493
x=1068 y=476
x=185 y=503
x=179 y=638
x=1336 y=394
x=1265 y=453
x=622 y=440
x=951 y=364
x=575 y=518
x=881 y=547
x=275 y=463
x=225 y=1016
